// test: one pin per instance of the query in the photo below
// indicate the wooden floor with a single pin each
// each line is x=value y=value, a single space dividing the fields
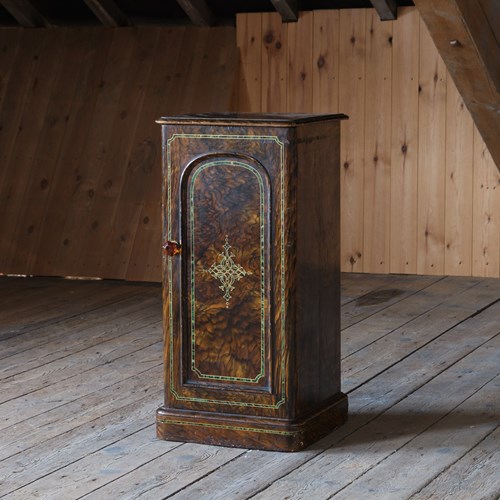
x=80 y=369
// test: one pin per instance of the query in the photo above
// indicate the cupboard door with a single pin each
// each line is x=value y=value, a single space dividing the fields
x=220 y=350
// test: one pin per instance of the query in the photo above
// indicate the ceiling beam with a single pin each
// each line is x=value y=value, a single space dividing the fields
x=198 y=12
x=108 y=12
x=386 y=9
x=465 y=38
x=288 y=9
x=24 y=13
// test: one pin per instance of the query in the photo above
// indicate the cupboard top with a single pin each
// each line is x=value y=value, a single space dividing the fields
x=252 y=119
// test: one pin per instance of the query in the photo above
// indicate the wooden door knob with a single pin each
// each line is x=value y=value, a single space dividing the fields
x=172 y=248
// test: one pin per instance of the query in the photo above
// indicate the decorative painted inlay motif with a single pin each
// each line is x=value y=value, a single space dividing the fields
x=227 y=271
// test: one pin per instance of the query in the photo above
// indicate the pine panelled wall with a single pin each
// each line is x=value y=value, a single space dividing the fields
x=80 y=181
x=420 y=192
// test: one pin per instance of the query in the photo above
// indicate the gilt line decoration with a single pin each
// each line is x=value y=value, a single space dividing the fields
x=177 y=390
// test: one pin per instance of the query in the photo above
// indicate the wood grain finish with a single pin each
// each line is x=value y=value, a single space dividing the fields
x=260 y=242
x=227 y=268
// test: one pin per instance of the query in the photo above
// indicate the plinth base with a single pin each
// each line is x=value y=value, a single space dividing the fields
x=244 y=431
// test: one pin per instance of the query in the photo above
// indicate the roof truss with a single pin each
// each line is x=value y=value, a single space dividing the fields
x=108 y=12
x=24 y=13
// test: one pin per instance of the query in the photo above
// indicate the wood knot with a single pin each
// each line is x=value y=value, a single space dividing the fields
x=375 y=159
x=278 y=44
x=404 y=148
x=353 y=39
x=436 y=77
x=303 y=75
x=321 y=62
x=419 y=89
x=390 y=40
x=346 y=165
x=269 y=37
x=352 y=260
x=65 y=242
x=44 y=183
x=145 y=220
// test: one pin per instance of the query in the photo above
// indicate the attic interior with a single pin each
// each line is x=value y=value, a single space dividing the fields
x=81 y=85
x=81 y=150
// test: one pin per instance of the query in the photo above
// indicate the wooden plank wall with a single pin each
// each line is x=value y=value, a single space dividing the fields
x=80 y=152
x=79 y=148
x=420 y=192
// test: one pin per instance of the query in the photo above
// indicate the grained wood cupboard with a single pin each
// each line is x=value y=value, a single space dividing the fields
x=251 y=279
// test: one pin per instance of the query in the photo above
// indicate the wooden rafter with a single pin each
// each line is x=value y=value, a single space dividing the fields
x=198 y=12
x=108 y=12
x=386 y=9
x=24 y=13
x=288 y=9
x=465 y=38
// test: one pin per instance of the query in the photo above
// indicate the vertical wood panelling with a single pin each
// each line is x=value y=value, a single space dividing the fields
x=19 y=80
x=79 y=214
x=33 y=211
x=23 y=158
x=486 y=212
x=459 y=176
x=426 y=205
x=142 y=242
x=80 y=158
x=80 y=177
x=66 y=180
x=431 y=158
x=352 y=102
x=377 y=151
x=326 y=61
x=404 y=151
x=110 y=180
x=274 y=63
x=249 y=41
x=146 y=252
x=300 y=64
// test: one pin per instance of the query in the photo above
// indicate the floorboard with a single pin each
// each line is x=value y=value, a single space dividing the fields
x=81 y=377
